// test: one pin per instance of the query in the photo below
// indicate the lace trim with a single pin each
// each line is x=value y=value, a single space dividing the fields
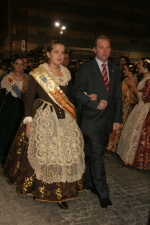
x=4 y=84
x=27 y=119
x=132 y=129
x=140 y=94
x=62 y=81
x=55 y=147
x=141 y=84
x=23 y=85
x=130 y=137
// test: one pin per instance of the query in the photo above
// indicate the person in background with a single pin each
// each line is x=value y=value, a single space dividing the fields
x=66 y=63
x=12 y=95
x=5 y=67
x=66 y=60
x=33 y=66
x=25 y=59
x=133 y=147
x=2 y=73
x=129 y=100
x=41 y=61
x=98 y=88
x=123 y=60
x=139 y=75
x=4 y=70
x=53 y=159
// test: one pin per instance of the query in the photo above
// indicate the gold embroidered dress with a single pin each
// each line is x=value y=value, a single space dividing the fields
x=134 y=144
x=128 y=102
x=52 y=164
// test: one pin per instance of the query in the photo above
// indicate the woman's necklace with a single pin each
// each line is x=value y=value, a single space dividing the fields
x=55 y=69
x=17 y=76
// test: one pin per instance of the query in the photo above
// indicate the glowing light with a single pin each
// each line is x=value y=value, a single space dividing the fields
x=57 y=24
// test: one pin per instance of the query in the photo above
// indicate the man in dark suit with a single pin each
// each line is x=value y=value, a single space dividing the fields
x=101 y=112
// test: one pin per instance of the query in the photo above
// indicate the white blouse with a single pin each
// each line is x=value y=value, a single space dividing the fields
x=4 y=84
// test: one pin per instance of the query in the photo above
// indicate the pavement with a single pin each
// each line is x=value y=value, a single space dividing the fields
x=129 y=192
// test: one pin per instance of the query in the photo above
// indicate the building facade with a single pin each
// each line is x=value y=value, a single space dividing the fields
x=27 y=24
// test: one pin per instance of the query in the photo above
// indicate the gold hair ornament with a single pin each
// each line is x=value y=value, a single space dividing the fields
x=146 y=60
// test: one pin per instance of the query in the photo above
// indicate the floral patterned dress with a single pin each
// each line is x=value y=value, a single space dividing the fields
x=128 y=101
x=134 y=145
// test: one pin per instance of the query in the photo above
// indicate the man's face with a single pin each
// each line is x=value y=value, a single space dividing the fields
x=66 y=60
x=102 y=50
x=122 y=62
x=25 y=62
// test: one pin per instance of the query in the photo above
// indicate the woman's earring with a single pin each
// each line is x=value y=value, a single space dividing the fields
x=145 y=70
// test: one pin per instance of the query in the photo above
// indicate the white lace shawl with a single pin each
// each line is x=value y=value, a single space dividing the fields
x=62 y=81
x=4 y=84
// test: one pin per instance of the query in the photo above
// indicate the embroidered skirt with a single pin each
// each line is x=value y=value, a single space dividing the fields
x=115 y=135
x=133 y=147
x=50 y=166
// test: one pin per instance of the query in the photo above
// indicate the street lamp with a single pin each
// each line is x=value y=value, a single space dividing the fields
x=61 y=30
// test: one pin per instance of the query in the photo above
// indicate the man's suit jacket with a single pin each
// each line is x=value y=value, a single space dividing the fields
x=89 y=80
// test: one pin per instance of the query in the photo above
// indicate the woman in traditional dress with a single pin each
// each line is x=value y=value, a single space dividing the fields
x=129 y=100
x=52 y=167
x=134 y=144
x=13 y=89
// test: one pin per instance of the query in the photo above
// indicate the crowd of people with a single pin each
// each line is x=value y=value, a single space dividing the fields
x=41 y=141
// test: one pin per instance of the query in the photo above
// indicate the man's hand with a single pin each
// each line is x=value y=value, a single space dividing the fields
x=102 y=105
x=116 y=126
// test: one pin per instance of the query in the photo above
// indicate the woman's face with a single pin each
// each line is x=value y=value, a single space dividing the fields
x=18 y=65
x=140 y=67
x=56 y=55
x=126 y=71
x=4 y=67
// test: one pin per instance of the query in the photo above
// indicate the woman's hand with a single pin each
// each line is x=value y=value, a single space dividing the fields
x=130 y=83
x=93 y=97
x=132 y=86
x=27 y=131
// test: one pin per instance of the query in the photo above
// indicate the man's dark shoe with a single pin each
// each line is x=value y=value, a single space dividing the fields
x=93 y=190
x=63 y=205
x=105 y=202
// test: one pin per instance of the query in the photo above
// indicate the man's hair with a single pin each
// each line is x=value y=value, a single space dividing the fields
x=101 y=37
x=24 y=56
x=126 y=58
x=68 y=53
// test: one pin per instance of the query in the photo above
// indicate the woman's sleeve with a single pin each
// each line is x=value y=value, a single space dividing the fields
x=32 y=90
x=2 y=96
x=132 y=99
x=146 y=92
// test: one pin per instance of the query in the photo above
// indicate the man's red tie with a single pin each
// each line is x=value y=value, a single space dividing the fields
x=105 y=77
